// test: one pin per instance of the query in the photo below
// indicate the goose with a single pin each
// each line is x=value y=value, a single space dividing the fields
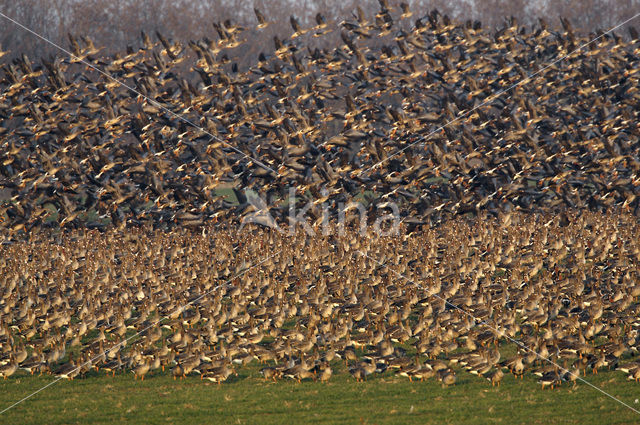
x=572 y=375
x=299 y=372
x=68 y=370
x=549 y=379
x=358 y=373
x=156 y=364
x=349 y=355
x=219 y=375
x=325 y=372
x=632 y=370
x=262 y=22
x=495 y=376
x=21 y=354
x=177 y=371
x=447 y=377
x=36 y=362
x=634 y=374
x=368 y=365
x=142 y=369
x=9 y=369
x=270 y=373
x=417 y=371
x=516 y=366
x=113 y=365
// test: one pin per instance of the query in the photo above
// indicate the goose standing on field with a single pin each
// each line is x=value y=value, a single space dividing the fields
x=269 y=373
x=550 y=379
x=358 y=373
x=68 y=370
x=142 y=369
x=447 y=377
x=219 y=375
x=516 y=366
x=495 y=376
x=113 y=365
x=635 y=374
x=35 y=363
x=572 y=375
x=325 y=372
x=177 y=372
x=9 y=369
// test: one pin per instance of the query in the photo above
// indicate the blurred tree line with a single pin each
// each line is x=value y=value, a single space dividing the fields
x=116 y=24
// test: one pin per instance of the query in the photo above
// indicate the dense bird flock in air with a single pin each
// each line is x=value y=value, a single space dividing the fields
x=431 y=305
x=519 y=209
x=392 y=109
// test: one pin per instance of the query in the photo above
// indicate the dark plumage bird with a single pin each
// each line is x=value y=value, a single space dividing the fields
x=262 y=22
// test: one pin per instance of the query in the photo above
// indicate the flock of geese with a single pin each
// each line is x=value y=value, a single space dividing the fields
x=525 y=294
x=535 y=191
x=390 y=106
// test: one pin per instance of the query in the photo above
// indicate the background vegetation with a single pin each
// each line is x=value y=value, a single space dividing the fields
x=117 y=23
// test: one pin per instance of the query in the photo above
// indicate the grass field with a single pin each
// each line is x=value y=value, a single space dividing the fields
x=247 y=399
